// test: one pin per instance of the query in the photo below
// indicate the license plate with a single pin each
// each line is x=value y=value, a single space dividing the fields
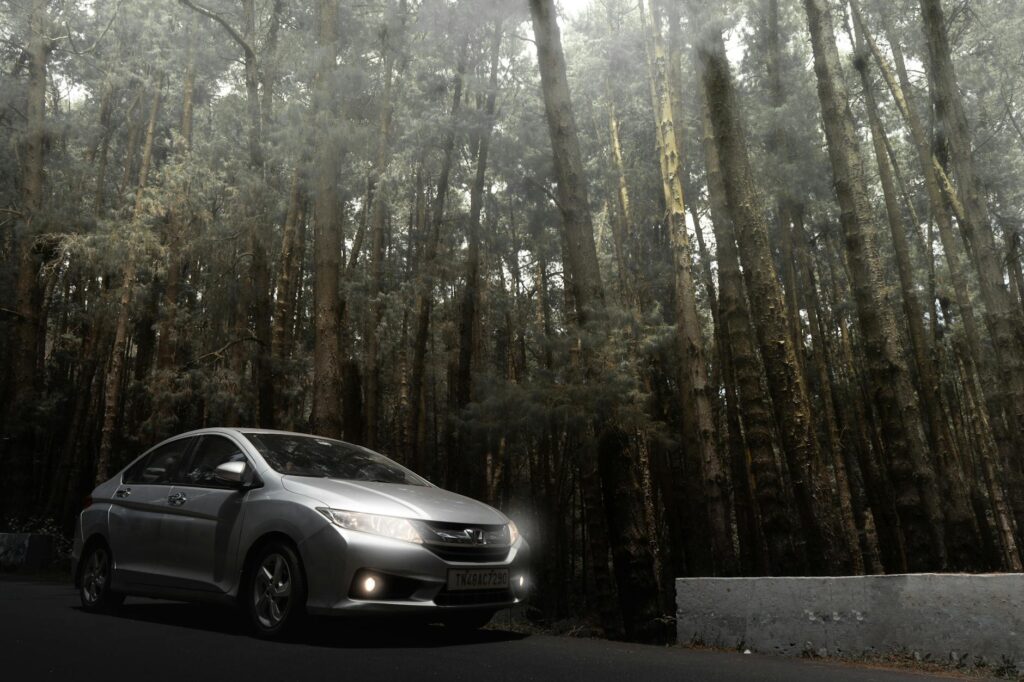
x=477 y=578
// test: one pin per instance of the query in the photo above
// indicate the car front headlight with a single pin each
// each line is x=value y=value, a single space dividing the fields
x=513 y=532
x=388 y=526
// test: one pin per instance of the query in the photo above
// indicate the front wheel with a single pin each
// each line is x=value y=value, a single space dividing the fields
x=276 y=595
x=94 y=581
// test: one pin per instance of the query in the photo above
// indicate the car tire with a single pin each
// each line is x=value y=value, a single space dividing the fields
x=467 y=621
x=94 y=579
x=275 y=594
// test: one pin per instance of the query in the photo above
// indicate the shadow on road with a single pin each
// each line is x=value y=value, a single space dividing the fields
x=339 y=633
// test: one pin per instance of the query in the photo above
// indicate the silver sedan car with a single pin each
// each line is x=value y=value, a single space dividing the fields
x=286 y=524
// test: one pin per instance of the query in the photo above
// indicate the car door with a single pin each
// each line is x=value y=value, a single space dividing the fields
x=202 y=529
x=138 y=508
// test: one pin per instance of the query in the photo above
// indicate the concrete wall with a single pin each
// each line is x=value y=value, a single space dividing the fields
x=943 y=617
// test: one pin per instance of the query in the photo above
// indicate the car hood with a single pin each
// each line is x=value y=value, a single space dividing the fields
x=390 y=499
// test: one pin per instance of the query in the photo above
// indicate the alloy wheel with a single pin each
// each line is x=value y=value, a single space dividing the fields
x=96 y=575
x=272 y=590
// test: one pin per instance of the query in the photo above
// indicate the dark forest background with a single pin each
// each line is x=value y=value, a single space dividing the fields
x=686 y=288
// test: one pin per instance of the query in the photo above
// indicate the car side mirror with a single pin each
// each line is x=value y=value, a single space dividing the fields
x=231 y=473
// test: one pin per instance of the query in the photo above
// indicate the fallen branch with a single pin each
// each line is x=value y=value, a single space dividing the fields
x=219 y=353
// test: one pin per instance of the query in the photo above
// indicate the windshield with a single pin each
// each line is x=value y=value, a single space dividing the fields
x=297 y=455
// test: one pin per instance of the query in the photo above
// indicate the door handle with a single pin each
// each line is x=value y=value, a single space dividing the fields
x=177 y=499
x=122 y=492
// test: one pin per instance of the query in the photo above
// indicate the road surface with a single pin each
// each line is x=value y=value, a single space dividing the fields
x=44 y=635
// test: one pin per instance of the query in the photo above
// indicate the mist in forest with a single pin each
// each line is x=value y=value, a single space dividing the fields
x=686 y=288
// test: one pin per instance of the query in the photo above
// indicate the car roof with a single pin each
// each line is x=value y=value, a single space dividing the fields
x=242 y=430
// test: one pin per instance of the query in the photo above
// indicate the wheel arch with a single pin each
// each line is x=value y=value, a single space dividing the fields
x=97 y=538
x=257 y=546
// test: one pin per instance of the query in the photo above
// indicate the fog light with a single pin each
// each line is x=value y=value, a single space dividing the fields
x=369 y=585
x=522 y=581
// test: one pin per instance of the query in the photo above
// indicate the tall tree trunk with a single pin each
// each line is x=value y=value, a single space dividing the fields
x=106 y=108
x=961 y=527
x=698 y=417
x=623 y=229
x=828 y=549
x=1004 y=322
x=755 y=406
x=779 y=145
x=326 y=416
x=27 y=291
x=753 y=554
x=1009 y=558
x=287 y=283
x=378 y=240
x=26 y=341
x=682 y=489
x=634 y=563
x=167 y=328
x=115 y=373
x=258 y=290
x=940 y=191
x=425 y=289
x=930 y=169
x=254 y=300
x=855 y=400
x=132 y=142
x=471 y=478
x=188 y=97
x=910 y=470
x=849 y=477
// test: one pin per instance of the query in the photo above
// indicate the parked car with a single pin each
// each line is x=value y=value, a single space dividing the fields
x=288 y=524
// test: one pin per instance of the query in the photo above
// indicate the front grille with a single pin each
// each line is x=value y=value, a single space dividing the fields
x=477 y=554
x=469 y=543
x=474 y=597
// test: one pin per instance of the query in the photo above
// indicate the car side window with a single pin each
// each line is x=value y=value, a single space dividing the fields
x=211 y=452
x=160 y=466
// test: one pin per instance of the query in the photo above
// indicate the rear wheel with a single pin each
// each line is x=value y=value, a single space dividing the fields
x=276 y=595
x=467 y=620
x=94 y=580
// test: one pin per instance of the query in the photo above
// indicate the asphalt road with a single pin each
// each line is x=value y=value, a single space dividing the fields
x=44 y=635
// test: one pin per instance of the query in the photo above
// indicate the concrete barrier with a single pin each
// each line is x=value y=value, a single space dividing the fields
x=970 y=619
x=25 y=550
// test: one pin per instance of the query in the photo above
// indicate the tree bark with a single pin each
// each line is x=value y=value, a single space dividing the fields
x=698 y=417
x=287 y=282
x=961 y=526
x=634 y=563
x=115 y=373
x=910 y=470
x=470 y=476
x=849 y=477
x=755 y=407
x=425 y=294
x=28 y=295
x=682 y=494
x=326 y=416
x=827 y=548
x=106 y=108
x=1004 y=321
x=378 y=223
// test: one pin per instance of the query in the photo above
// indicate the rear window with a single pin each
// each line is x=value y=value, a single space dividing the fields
x=327 y=458
x=160 y=466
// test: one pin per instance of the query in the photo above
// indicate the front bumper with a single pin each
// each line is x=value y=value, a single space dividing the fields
x=415 y=577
